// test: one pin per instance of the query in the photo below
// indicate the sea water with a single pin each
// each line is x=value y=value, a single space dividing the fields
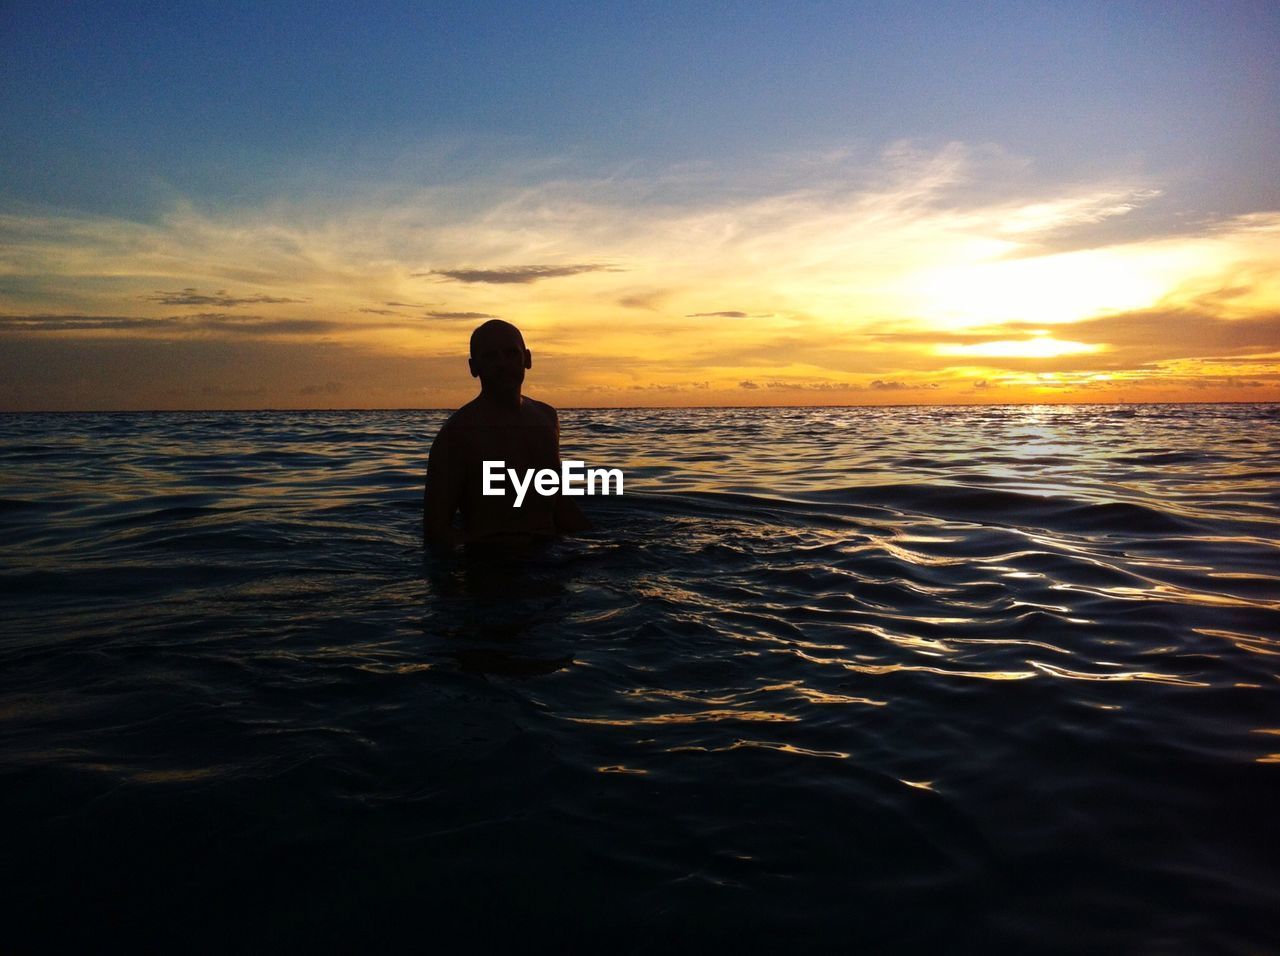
x=831 y=679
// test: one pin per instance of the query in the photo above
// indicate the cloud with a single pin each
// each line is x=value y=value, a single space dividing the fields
x=42 y=322
x=460 y=315
x=258 y=326
x=814 y=386
x=668 y=386
x=880 y=385
x=170 y=326
x=1179 y=332
x=726 y=315
x=516 y=274
x=380 y=311
x=191 y=296
x=748 y=385
x=1228 y=382
x=649 y=300
x=1136 y=340
x=1128 y=340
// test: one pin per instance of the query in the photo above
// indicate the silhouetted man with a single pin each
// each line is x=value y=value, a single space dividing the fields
x=497 y=425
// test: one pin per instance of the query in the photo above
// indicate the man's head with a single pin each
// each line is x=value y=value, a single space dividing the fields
x=499 y=358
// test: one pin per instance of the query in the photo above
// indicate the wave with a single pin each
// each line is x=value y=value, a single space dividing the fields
x=904 y=669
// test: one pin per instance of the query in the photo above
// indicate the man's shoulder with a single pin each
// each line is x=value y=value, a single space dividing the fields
x=541 y=408
x=454 y=427
x=462 y=419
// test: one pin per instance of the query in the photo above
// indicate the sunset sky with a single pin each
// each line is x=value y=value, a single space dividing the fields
x=311 y=205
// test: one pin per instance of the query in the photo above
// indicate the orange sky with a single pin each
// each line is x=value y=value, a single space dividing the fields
x=915 y=276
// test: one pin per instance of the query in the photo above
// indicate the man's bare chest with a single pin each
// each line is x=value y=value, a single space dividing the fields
x=518 y=445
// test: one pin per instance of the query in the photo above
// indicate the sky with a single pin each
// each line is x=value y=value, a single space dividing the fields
x=294 y=205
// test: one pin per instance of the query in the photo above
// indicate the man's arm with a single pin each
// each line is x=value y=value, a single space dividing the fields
x=441 y=494
x=566 y=514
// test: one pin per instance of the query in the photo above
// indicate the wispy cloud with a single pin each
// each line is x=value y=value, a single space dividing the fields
x=521 y=275
x=71 y=323
x=460 y=315
x=246 y=325
x=650 y=300
x=177 y=325
x=192 y=296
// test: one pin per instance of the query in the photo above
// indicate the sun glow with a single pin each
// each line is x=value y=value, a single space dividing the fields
x=1052 y=289
x=1040 y=347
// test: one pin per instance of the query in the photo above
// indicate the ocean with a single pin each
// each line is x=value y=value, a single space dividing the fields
x=965 y=679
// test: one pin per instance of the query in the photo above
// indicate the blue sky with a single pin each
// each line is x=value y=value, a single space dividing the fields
x=116 y=105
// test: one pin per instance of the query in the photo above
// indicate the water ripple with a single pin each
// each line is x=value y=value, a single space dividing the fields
x=1007 y=670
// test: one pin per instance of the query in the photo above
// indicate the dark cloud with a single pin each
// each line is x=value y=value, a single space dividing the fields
x=211 y=318
x=72 y=323
x=1176 y=333
x=380 y=311
x=649 y=300
x=257 y=326
x=190 y=296
x=723 y=315
x=221 y=322
x=1229 y=381
x=880 y=385
x=248 y=324
x=669 y=387
x=814 y=386
x=405 y=305
x=460 y=315
x=1241 y=360
x=1165 y=379
x=516 y=274
x=1130 y=340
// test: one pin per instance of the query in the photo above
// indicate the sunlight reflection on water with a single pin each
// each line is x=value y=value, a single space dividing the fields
x=918 y=668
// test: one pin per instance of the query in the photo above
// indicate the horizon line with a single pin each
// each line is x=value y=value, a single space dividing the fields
x=603 y=408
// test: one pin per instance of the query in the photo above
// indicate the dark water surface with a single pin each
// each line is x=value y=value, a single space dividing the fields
x=984 y=679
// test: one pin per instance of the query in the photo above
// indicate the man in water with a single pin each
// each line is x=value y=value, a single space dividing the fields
x=499 y=424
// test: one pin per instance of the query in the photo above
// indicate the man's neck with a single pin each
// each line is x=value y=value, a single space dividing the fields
x=501 y=400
